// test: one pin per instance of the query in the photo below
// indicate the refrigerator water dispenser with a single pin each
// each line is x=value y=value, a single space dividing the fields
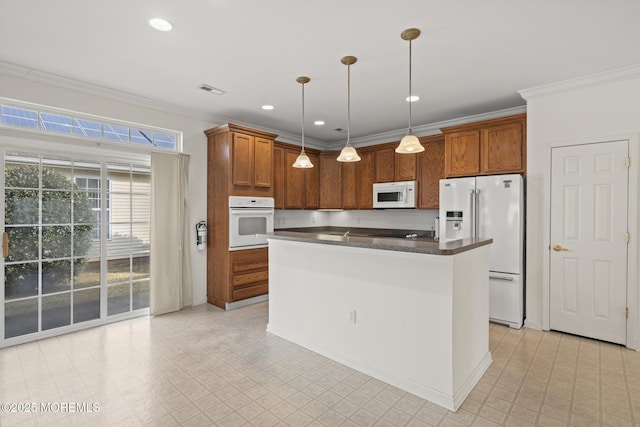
x=454 y=225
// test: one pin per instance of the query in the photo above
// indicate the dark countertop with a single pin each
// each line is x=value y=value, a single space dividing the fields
x=379 y=239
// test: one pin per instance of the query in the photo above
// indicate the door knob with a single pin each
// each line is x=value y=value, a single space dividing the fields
x=559 y=248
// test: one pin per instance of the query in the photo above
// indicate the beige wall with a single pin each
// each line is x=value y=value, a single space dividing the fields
x=590 y=109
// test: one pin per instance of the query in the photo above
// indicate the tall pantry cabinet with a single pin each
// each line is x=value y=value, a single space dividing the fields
x=239 y=163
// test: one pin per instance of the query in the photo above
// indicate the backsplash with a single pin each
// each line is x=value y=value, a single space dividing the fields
x=415 y=219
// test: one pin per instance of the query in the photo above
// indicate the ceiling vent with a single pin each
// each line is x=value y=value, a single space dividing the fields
x=340 y=130
x=211 y=89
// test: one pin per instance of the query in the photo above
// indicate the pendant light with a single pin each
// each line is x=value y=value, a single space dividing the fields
x=303 y=161
x=410 y=143
x=348 y=153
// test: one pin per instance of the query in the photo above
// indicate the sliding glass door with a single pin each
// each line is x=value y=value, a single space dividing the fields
x=76 y=243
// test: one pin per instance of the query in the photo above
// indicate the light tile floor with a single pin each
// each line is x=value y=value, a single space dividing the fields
x=204 y=366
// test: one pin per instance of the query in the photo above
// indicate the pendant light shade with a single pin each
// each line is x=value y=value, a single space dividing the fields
x=348 y=153
x=303 y=161
x=410 y=143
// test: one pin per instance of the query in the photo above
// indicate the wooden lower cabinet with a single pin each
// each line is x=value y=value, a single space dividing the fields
x=249 y=273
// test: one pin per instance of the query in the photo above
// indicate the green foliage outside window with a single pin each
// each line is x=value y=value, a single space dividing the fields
x=22 y=207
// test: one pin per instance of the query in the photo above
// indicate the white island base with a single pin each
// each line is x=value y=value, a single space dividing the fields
x=419 y=322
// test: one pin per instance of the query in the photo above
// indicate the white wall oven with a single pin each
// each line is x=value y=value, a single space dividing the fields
x=249 y=217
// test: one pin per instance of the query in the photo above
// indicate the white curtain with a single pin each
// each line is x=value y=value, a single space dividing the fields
x=170 y=262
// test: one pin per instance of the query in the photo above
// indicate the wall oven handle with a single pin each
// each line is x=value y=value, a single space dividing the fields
x=251 y=212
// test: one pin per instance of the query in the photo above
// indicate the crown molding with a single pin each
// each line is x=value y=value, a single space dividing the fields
x=287 y=137
x=427 y=129
x=34 y=75
x=619 y=74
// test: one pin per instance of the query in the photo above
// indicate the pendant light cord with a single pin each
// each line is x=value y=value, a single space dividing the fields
x=410 y=102
x=348 y=104
x=302 y=117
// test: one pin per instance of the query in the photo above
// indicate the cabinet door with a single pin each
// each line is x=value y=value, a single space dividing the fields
x=366 y=175
x=311 y=183
x=462 y=153
x=293 y=195
x=242 y=160
x=350 y=185
x=278 y=177
x=406 y=167
x=263 y=162
x=330 y=185
x=503 y=149
x=385 y=165
x=431 y=171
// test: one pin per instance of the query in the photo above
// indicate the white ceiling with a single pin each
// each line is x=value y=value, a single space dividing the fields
x=472 y=57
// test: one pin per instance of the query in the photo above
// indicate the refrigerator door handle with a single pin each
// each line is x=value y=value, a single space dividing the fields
x=477 y=216
x=472 y=222
x=507 y=279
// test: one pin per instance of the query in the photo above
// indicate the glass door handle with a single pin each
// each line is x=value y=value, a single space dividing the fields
x=559 y=248
x=5 y=244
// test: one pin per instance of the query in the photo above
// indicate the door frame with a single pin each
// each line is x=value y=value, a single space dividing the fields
x=633 y=341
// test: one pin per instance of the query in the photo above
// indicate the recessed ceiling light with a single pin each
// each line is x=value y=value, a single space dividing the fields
x=267 y=107
x=412 y=98
x=160 y=24
x=319 y=122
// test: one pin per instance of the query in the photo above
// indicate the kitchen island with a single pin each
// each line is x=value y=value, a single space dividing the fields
x=411 y=312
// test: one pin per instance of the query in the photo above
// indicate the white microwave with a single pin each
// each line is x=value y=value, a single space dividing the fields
x=395 y=195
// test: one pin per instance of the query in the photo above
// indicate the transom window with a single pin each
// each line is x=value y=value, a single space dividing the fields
x=38 y=118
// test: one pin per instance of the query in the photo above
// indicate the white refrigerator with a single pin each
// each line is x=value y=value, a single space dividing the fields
x=491 y=206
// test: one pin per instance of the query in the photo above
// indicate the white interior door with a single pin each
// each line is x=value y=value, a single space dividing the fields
x=588 y=256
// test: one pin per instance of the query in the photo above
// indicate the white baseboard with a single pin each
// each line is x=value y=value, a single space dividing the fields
x=532 y=324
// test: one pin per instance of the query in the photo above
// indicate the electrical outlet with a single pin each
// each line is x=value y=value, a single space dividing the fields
x=283 y=221
x=352 y=316
x=357 y=220
x=313 y=220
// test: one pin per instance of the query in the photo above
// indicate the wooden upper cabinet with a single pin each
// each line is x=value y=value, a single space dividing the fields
x=406 y=167
x=366 y=178
x=430 y=172
x=293 y=194
x=278 y=177
x=502 y=148
x=385 y=164
x=263 y=162
x=311 y=183
x=242 y=160
x=330 y=181
x=350 y=185
x=489 y=147
x=462 y=153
